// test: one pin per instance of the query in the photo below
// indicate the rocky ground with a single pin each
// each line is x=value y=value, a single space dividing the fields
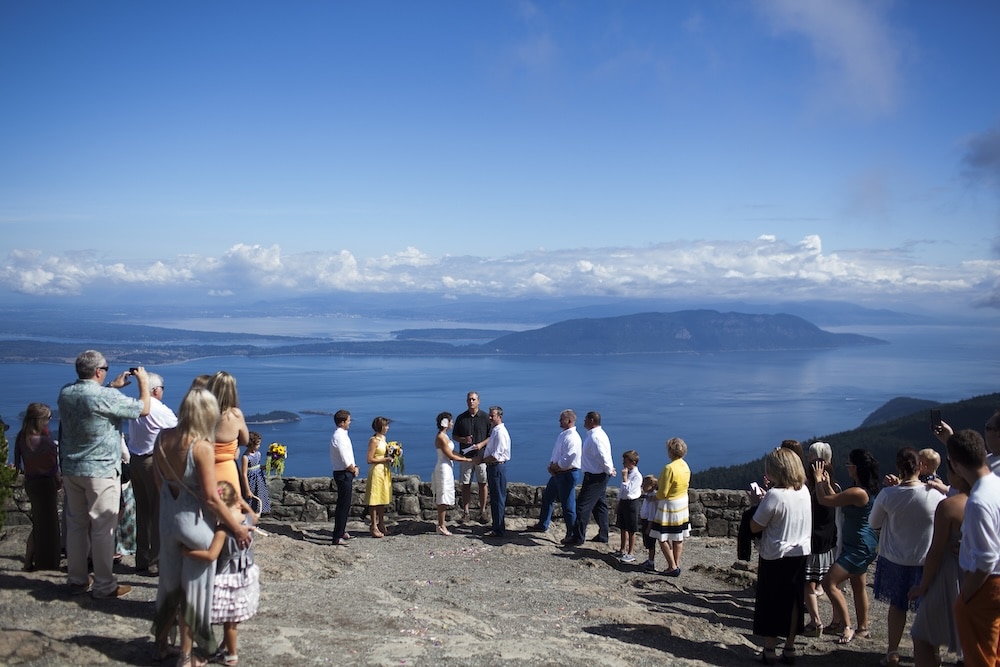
x=416 y=598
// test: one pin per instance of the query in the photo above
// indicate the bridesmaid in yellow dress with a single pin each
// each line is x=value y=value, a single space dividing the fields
x=378 y=487
x=230 y=433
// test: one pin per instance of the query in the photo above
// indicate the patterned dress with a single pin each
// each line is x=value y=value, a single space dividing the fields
x=258 y=482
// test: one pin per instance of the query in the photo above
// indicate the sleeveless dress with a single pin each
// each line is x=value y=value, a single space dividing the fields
x=378 y=487
x=859 y=540
x=237 y=582
x=443 y=479
x=185 y=583
x=928 y=624
x=257 y=482
x=226 y=468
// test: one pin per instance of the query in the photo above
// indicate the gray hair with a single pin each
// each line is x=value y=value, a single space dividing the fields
x=821 y=450
x=155 y=380
x=88 y=362
x=568 y=414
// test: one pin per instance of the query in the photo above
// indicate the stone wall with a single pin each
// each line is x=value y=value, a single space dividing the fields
x=312 y=499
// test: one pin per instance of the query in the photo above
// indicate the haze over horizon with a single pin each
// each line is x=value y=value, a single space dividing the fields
x=764 y=151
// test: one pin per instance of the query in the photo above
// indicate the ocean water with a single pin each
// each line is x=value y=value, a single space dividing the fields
x=729 y=407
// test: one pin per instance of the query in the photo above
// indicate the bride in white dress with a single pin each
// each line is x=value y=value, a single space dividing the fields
x=443 y=479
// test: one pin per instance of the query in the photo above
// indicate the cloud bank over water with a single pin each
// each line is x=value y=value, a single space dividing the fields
x=762 y=268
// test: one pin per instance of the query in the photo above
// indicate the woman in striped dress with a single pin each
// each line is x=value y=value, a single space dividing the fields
x=672 y=522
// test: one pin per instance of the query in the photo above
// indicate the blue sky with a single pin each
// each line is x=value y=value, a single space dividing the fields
x=764 y=149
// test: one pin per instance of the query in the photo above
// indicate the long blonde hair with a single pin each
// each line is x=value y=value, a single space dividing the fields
x=223 y=386
x=198 y=416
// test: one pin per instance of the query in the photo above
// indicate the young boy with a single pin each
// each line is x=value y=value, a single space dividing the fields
x=647 y=512
x=628 y=505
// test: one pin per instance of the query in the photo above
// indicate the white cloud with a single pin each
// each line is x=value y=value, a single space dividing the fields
x=760 y=268
x=853 y=43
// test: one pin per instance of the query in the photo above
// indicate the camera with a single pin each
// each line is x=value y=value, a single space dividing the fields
x=133 y=371
x=935 y=418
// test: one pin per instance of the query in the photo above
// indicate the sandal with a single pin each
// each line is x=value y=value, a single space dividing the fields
x=376 y=533
x=441 y=530
x=863 y=633
x=891 y=659
x=834 y=628
x=847 y=636
x=788 y=656
x=187 y=659
x=813 y=630
x=769 y=656
x=162 y=652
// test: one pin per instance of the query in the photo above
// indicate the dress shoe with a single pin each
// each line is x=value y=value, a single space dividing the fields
x=598 y=538
x=80 y=589
x=538 y=528
x=120 y=592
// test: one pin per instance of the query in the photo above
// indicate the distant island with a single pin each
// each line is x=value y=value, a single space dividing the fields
x=695 y=331
x=273 y=417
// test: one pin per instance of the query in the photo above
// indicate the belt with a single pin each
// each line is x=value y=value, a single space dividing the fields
x=495 y=463
x=142 y=456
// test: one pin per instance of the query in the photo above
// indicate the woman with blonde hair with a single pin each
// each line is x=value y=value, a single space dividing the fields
x=184 y=461
x=672 y=521
x=230 y=434
x=784 y=521
x=36 y=456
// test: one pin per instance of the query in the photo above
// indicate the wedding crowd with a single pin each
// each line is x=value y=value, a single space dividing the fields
x=175 y=490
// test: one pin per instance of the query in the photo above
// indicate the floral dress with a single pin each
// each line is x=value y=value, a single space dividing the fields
x=258 y=482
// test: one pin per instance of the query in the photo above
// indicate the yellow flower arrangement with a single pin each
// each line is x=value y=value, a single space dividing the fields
x=276 y=455
x=394 y=450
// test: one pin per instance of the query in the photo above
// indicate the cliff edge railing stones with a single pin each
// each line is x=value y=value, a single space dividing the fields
x=714 y=513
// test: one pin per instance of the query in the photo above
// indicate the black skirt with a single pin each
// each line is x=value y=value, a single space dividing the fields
x=780 y=586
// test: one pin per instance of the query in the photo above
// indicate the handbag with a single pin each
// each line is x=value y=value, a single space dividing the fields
x=126 y=473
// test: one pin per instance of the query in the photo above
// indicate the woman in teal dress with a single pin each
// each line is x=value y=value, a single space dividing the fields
x=378 y=486
x=858 y=538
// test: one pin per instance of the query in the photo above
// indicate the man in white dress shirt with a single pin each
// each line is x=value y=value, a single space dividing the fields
x=597 y=466
x=496 y=454
x=564 y=468
x=344 y=472
x=142 y=435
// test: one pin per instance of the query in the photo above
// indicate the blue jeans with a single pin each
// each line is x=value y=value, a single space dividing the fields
x=344 y=480
x=496 y=481
x=592 y=499
x=561 y=486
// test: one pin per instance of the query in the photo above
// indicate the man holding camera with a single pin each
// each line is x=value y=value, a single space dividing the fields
x=142 y=434
x=90 y=456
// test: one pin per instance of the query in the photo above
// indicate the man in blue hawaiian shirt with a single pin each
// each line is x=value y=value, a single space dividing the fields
x=90 y=456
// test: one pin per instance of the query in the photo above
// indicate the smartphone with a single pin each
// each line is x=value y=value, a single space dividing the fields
x=133 y=371
x=935 y=418
x=755 y=487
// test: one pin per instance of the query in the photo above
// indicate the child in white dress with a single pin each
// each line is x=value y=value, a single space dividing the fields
x=236 y=594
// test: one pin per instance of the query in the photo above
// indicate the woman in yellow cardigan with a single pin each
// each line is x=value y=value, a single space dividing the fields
x=672 y=522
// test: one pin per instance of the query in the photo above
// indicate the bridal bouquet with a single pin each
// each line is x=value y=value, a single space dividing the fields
x=276 y=455
x=394 y=451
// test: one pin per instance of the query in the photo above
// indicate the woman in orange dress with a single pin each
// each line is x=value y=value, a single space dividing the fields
x=230 y=434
